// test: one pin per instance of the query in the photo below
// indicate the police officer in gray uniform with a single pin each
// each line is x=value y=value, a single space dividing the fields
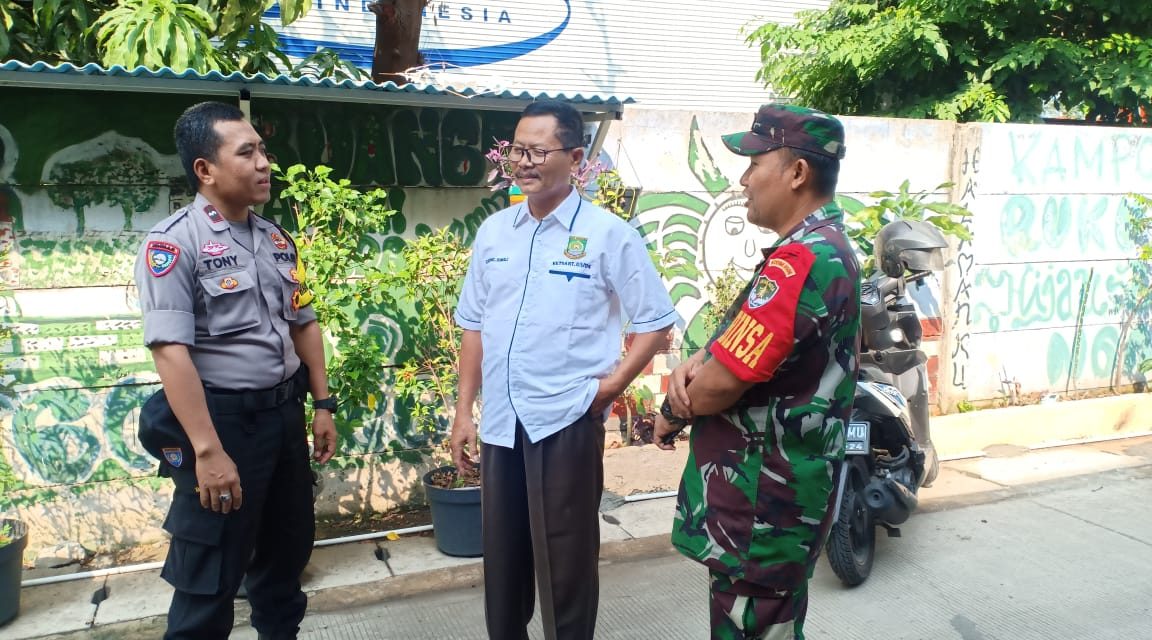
x=237 y=347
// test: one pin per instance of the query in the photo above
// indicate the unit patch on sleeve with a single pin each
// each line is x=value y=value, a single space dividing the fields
x=763 y=292
x=279 y=241
x=161 y=256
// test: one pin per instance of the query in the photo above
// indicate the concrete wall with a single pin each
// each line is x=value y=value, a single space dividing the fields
x=78 y=192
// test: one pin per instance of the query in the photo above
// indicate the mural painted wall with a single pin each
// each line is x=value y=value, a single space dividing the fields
x=1048 y=272
x=1049 y=276
x=77 y=196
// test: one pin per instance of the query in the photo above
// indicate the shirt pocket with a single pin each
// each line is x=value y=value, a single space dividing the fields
x=230 y=302
x=290 y=290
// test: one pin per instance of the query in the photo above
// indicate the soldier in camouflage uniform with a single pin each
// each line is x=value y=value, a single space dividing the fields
x=769 y=396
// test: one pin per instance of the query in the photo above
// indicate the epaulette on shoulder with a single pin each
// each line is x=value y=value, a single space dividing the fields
x=165 y=225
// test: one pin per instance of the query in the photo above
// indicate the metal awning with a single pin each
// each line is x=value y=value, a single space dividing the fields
x=165 y=80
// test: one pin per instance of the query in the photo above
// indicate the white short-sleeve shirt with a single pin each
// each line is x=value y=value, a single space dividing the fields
x=550 y=299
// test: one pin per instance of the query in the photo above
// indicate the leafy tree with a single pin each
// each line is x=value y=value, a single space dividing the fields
x=221 y=35
x=966 y=60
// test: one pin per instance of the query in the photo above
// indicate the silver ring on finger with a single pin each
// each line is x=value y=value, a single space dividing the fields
x=225 y=497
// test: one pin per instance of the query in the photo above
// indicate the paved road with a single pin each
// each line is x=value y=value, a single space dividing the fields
x=1069 y=560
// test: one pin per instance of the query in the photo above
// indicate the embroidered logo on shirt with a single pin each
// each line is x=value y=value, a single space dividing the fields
x=213 y=214
x=783 y=266
x=763 y=292
x=279 y=241
x=213 y=248
x=161 y=257
x=229 y=283
x=292 y=274
x=577 y=247
x=175 y=457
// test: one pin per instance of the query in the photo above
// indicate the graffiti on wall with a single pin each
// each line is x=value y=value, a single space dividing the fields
x=74 y=209
x=1054 y=252
x=962 y=298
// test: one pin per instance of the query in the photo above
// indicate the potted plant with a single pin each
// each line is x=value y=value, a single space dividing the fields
x=13 y=540
x=428 y=280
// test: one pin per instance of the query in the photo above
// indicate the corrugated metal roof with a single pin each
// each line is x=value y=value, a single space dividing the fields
x=117 y=78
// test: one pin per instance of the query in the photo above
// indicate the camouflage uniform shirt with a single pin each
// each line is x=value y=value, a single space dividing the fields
x=758 y=487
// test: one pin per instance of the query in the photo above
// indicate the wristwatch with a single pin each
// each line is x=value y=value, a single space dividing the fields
x=673 y=419
x=676 y=421
x=328 y=404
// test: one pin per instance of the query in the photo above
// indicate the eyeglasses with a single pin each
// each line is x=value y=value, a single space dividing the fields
x=535 y=156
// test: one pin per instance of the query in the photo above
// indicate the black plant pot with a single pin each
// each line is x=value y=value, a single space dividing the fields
x=455 y=518
x=11 y=568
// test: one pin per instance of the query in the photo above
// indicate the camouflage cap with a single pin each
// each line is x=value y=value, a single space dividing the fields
x=785 y=125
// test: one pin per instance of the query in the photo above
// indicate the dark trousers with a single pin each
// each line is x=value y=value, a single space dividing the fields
x=541 y=524
x=269 y=539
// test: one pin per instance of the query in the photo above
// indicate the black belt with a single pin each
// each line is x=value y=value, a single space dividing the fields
x=228 y=401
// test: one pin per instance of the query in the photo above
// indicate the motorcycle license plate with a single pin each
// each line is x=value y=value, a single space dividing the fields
x=857 y=440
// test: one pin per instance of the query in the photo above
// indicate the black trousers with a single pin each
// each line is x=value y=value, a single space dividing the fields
x=270 y=538
x=541 y=524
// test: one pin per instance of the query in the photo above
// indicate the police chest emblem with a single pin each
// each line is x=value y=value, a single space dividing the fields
x=577 y=247
x=279 y=241
x=213 y=214
x=762 y=292
x=229 y=283
x=175 y=456
x=213 y=248
x=161 y=256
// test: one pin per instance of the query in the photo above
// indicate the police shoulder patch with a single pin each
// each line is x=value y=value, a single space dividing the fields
x=161 y=256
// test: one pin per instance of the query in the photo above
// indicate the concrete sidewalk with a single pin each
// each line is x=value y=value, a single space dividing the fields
x=359 y=574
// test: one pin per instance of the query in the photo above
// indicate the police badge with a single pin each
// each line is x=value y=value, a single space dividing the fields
x=161 y=257
x=174 y=456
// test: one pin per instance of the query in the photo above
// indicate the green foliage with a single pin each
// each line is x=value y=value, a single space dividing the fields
x=722 y=292
x=965 y=406
x=966 y=60
x=49 y=30
x=157 y=33
x=6 y=536
x=343 y=275
x=863 y=225
x=206 y=35
x=430 y=280
x=1139 y=286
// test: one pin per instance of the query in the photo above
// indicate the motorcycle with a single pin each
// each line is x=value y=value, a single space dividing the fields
x=888 y=445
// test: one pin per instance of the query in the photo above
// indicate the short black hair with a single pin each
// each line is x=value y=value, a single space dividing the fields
x=569 y=122
x=195 y=134
x=825 y=169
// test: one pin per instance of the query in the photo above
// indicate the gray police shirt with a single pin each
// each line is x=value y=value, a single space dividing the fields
x=228 y=294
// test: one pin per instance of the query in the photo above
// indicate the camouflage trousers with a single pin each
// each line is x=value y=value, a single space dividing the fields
x=741 y=610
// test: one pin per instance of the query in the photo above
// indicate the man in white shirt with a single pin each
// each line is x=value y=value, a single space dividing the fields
x=550 y=285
